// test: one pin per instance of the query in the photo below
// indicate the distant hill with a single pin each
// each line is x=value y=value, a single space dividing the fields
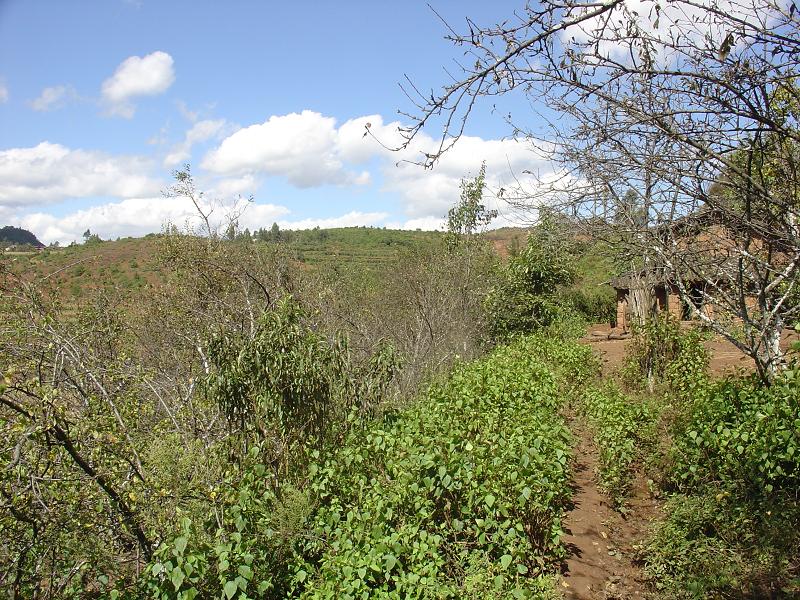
x=133 y=263
x=19 y=236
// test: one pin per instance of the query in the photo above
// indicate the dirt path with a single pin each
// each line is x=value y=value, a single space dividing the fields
x=600 y=541
x=725 y=358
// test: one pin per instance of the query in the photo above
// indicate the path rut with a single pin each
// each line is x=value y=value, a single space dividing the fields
x=601 y=563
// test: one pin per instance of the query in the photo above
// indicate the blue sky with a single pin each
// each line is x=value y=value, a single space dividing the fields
x=101 y=101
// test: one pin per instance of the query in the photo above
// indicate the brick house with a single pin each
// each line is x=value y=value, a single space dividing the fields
x=707 y=244
x=664 y=297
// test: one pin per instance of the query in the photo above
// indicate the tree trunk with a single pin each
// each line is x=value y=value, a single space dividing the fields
x=769 y=358
x=641 y=300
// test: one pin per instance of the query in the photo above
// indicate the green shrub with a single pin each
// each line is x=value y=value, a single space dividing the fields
x=660 y=352
x=743 y=436
x=572 y=363
x=681 y=558
x=595 y=305
x=624 y=429
x=527 y=295
x=459 y=496
x=713 y=546
x=289 y=386
x=734 y=527
x=687 y=373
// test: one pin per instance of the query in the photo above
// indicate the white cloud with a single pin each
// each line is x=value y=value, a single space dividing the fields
x=7 y=214
x=231 y=187
x=199 y=132
x=426 y=224
x=51 y=173
x=53 y=97
x=140 y=216
x=672 y=25
x=189 y=115
x=427 y=195
x=3 y=93
x=354 y=146
x=257 y=216
x=308 y=149
x=301 y=147
x=137 y=76
x=352 y=219
x=431 y=193
x=136 y=217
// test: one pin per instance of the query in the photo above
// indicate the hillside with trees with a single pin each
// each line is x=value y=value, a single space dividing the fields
x=244 y=424
x=19 y=237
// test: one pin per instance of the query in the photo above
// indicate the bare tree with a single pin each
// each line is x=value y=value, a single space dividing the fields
x=690 y=104
x=205 y=206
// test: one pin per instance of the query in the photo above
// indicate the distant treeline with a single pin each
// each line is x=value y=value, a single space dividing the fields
x=17 y=235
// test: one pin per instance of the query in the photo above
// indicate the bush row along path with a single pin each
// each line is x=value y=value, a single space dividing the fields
x=602 y=541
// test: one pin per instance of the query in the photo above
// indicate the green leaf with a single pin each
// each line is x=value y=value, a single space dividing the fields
x=263 y=586
x=391 y=561
x=489 y=500
x=505 y=560
x=230 y=589
x=180 y=544
x=498 y=582
x=177 y=578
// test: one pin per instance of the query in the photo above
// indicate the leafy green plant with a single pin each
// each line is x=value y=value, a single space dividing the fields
x=732 y=527
x=743 y=436
x=468 y=217
x=660 y=352
x=595 y=305
x=290 y=386
x=711 y=545
x=624 y=428
x=687 y=372
x=681 y=558
x=526 y=298
x=460 y=495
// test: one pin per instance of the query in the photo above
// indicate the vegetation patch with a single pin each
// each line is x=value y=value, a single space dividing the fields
x=459 y=496
x=661 y=353
x=730 y=462
x=732 y=526
x=624 y=429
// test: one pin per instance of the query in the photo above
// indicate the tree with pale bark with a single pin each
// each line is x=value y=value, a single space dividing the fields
x=692 y=105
